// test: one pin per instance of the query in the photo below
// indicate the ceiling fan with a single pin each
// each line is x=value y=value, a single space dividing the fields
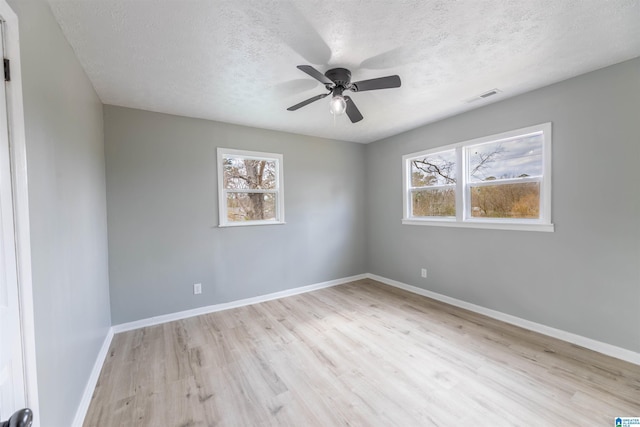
x=336 y=81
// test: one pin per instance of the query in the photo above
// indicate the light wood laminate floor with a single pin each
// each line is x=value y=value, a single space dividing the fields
x=361 y=354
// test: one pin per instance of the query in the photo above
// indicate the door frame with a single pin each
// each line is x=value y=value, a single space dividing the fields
x=18 y=157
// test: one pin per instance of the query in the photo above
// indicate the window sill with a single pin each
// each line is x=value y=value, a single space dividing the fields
x=549 y=228
x=250 y=223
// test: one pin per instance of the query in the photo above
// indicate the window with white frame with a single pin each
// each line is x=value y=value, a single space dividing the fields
x=499 y=181
x=250 y=188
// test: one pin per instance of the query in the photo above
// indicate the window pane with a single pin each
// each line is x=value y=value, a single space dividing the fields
x=514 y=158
x=506 y=200
x=434 y=169
x=436 y=202
x=251 y=206
x=249 y=174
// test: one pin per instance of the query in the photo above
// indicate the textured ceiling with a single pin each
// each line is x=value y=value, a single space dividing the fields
x=235 y=61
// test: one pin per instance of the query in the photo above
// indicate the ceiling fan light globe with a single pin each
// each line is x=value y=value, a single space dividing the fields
x=337 y=105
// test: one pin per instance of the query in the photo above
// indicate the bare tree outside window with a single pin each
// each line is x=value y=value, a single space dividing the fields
x=251 y=188
x=249 y=174
x=502 y=164
x=500 y=181
x=433 y=179
x=505 y=170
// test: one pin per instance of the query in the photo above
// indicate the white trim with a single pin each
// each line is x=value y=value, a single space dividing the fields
x=12 y=377
x=432 y=187
x=462 y=187
x=591 y=344
x=505 y=181
x=480 y=224
x=81 y=412
x=17 y=140
x=607 y=349
x=522 y=132
x=222 y=192
x=246 y=154
x=252 y=190
x=545 y=186
x=248 y=223
x=232 y=304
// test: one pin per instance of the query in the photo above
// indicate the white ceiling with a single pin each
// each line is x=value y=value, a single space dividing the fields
x=235 y=61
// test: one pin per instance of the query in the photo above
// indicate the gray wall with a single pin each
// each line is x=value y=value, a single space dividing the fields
x=343 y=210
x=65 y=160
x=583 y=278
x=163 y=215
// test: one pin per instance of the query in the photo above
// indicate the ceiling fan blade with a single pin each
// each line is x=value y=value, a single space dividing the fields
x=308 y=101
x=352 y=111
x=379 y=83
x=315 y=74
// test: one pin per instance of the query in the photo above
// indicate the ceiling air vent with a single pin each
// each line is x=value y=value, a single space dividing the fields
x=485 y=95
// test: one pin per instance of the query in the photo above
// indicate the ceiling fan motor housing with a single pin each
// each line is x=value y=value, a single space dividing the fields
x=340 y=76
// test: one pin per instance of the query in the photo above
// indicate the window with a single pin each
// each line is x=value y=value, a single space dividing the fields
x=250 y=190
x=433 y=185
x=500 y=181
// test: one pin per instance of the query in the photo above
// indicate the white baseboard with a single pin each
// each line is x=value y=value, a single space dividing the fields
x=81 y=413
x=233 y=304
x=591 y=344
x=604 y=348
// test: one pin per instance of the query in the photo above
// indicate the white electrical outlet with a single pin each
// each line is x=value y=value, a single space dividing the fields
x=197 y=288
x=423 y=273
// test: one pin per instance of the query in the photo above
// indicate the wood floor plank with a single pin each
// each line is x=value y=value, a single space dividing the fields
x=361 y=354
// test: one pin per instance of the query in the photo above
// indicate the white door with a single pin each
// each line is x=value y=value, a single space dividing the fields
x=12 y=384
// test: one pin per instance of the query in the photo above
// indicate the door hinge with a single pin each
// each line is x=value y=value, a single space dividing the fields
x=7 y=70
